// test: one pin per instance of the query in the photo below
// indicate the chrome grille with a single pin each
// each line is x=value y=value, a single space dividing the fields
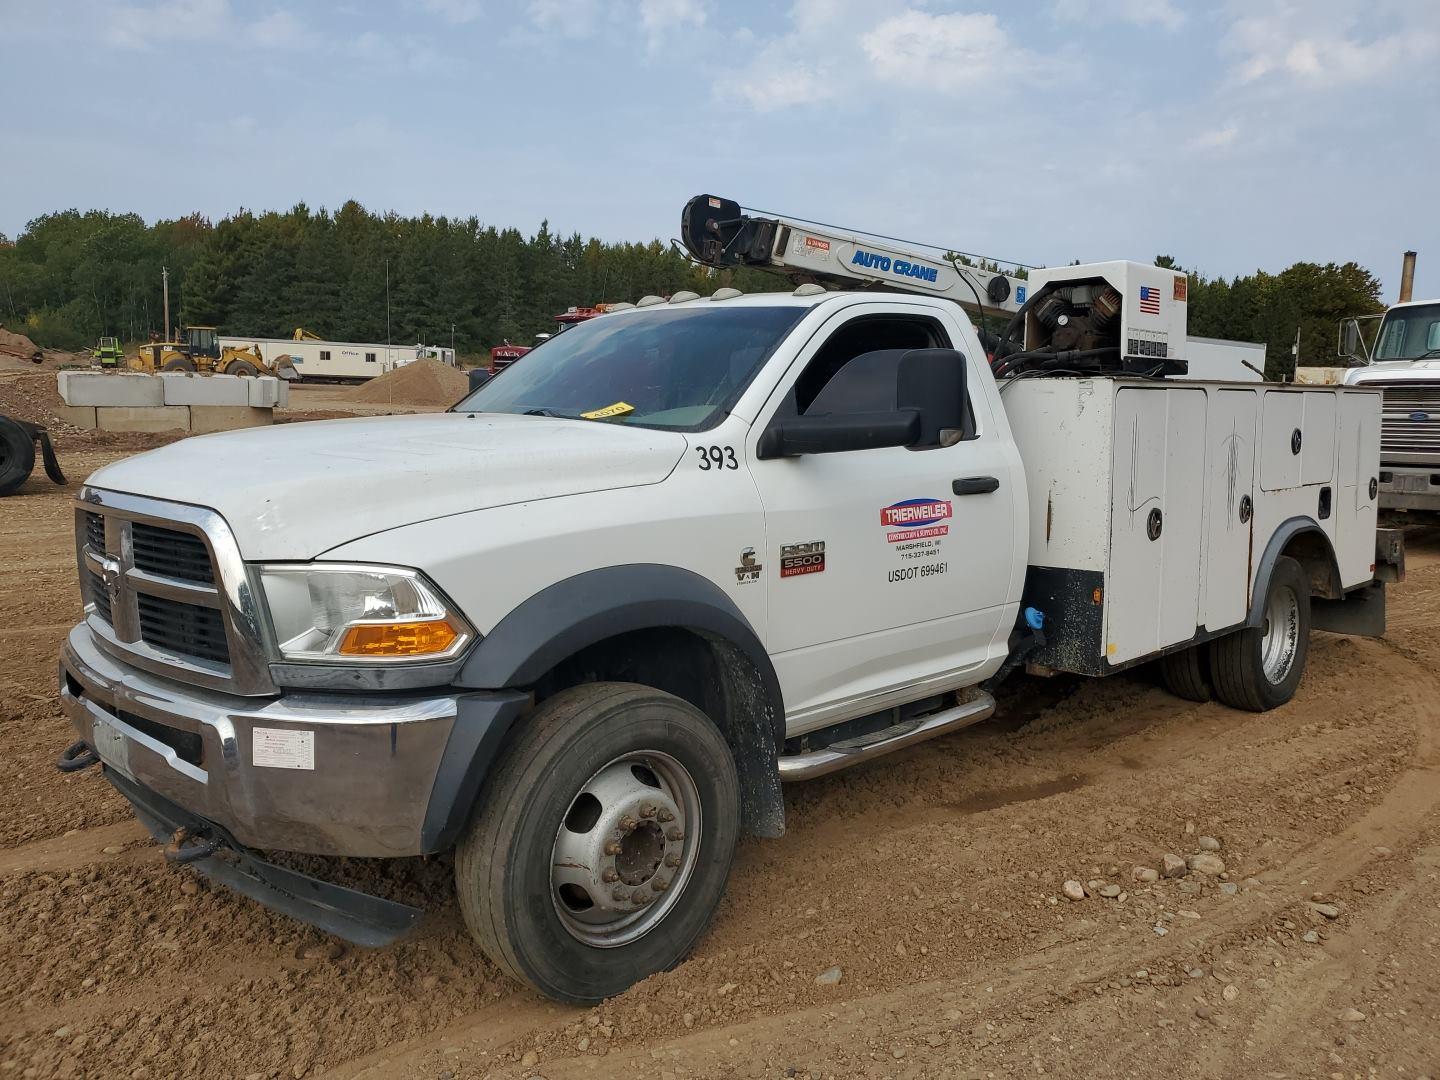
x=1410 y=424
x=165 y=590
x=164 y=551
x=182 y=628
x=95 y=532
x=99 y=596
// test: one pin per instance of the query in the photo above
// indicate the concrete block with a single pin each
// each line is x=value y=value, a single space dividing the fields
x=208 y=418
x=187 y=389
x=264 y=391
x=143 y=418
x=102 y=388
x=81 y=416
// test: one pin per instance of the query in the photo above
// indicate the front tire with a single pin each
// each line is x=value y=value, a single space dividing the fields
x=602 y=844
x=1259 y=668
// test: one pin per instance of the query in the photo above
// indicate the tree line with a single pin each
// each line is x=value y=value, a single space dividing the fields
x=355 y=275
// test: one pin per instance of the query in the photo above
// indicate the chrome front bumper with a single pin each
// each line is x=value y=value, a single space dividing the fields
x=375 y=760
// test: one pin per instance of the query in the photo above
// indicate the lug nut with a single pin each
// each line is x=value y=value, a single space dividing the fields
x=674 y=833
x=659 y=884
x=672 y=861
x=628 y=823
x=666 y=815
x=647 y=810
x=612 y=847
x=609 y=875
x=620 y=894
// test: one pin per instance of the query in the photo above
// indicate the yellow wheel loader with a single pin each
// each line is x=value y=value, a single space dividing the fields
x=201 y=351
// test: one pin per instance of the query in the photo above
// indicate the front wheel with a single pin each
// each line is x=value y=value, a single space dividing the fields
x=1260 y=668
x=602 y=844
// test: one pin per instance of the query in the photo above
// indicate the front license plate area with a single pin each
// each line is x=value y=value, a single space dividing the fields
x=112 y=747
x=1420 y=484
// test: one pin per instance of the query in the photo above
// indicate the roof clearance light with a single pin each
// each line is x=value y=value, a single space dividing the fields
x=725 y=294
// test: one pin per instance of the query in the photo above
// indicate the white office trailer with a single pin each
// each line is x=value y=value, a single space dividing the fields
x=1214 y=359
x=341 y=361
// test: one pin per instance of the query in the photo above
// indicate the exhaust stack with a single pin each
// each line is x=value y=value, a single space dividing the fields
x=1407 y=277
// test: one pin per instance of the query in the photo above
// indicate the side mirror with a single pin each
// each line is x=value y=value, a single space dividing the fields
x=1351 y=346
x=932 y=382
x=796 y=435
x=478 y=377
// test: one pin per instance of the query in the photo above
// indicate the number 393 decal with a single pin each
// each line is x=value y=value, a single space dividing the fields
x=717 y=457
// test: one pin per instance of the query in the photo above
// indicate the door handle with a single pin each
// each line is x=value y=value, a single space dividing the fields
x=975 y=485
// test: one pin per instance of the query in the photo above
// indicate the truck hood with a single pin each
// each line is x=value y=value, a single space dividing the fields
x=293 y=491
x=1395 y=371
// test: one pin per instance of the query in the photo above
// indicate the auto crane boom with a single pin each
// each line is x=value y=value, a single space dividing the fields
x=1107 y=316
x=719 y=233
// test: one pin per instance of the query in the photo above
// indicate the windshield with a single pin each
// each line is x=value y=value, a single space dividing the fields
x=674 y=368
x=1409 y=333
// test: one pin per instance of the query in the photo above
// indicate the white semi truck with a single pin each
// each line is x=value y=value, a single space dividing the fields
x=1405 y=365
x=581 y=627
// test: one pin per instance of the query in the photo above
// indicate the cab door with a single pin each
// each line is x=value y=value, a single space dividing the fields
x=888 y=570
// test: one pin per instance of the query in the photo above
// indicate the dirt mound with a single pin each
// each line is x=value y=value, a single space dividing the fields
x=425 y=382
x=13 y=344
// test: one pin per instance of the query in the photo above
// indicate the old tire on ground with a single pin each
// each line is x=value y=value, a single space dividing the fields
x=17 y=455
x=1186 y=674
x=243 y=367
x=180 y=363
x=601 y=846
x=1259 y=668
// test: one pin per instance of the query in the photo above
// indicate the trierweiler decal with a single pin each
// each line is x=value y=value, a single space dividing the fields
x=916 y=519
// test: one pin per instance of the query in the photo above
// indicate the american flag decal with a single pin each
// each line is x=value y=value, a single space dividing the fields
x=1149 y=300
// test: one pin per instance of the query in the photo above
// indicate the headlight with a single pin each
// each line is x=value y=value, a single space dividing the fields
x=360 y=614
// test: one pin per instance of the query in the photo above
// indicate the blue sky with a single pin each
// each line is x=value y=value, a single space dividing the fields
x=1231 y=135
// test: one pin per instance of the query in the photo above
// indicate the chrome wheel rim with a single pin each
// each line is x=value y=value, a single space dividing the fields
x=626 y=849
x=1282 y=634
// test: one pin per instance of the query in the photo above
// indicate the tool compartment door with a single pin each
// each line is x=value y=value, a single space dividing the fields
x=1359 y=463
x=1152 y=594
x=1229 y=506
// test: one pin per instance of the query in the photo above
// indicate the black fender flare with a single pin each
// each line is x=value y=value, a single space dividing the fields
x=1280 y=539
x=588 y=608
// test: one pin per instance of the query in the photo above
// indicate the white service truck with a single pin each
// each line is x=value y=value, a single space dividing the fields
x=581 y=627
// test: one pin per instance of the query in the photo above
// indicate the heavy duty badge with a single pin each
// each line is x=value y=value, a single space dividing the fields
x=749 y=569
x=797 y=559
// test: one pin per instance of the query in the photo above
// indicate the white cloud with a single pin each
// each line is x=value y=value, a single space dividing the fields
x=946 y=52
x=145 y=26
x=279 y=30
x=1161 y=13
x=841 y=48
x=662 y=20
x=455 y=12
x=1332 y=42
x=1215 y=138
x=157 y=25
x=568 y=18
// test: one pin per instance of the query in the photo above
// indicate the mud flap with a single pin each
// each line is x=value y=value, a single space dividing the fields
x=1361 y=612
x=357 y=917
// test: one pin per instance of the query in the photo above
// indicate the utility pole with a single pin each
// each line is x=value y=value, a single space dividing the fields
x=452 y=341
x=387 y=303
x=165 y=284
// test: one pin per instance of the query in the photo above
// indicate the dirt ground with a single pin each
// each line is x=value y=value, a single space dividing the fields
x=931 y=879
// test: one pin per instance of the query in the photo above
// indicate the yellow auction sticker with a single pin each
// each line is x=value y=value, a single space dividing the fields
x=620 y=408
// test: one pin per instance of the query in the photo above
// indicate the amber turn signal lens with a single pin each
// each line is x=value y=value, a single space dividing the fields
x=399 y=639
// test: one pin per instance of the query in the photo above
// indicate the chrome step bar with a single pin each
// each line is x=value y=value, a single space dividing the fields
x=842 y=755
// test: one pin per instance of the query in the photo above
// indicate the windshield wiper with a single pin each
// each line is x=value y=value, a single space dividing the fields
x=543 y=412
